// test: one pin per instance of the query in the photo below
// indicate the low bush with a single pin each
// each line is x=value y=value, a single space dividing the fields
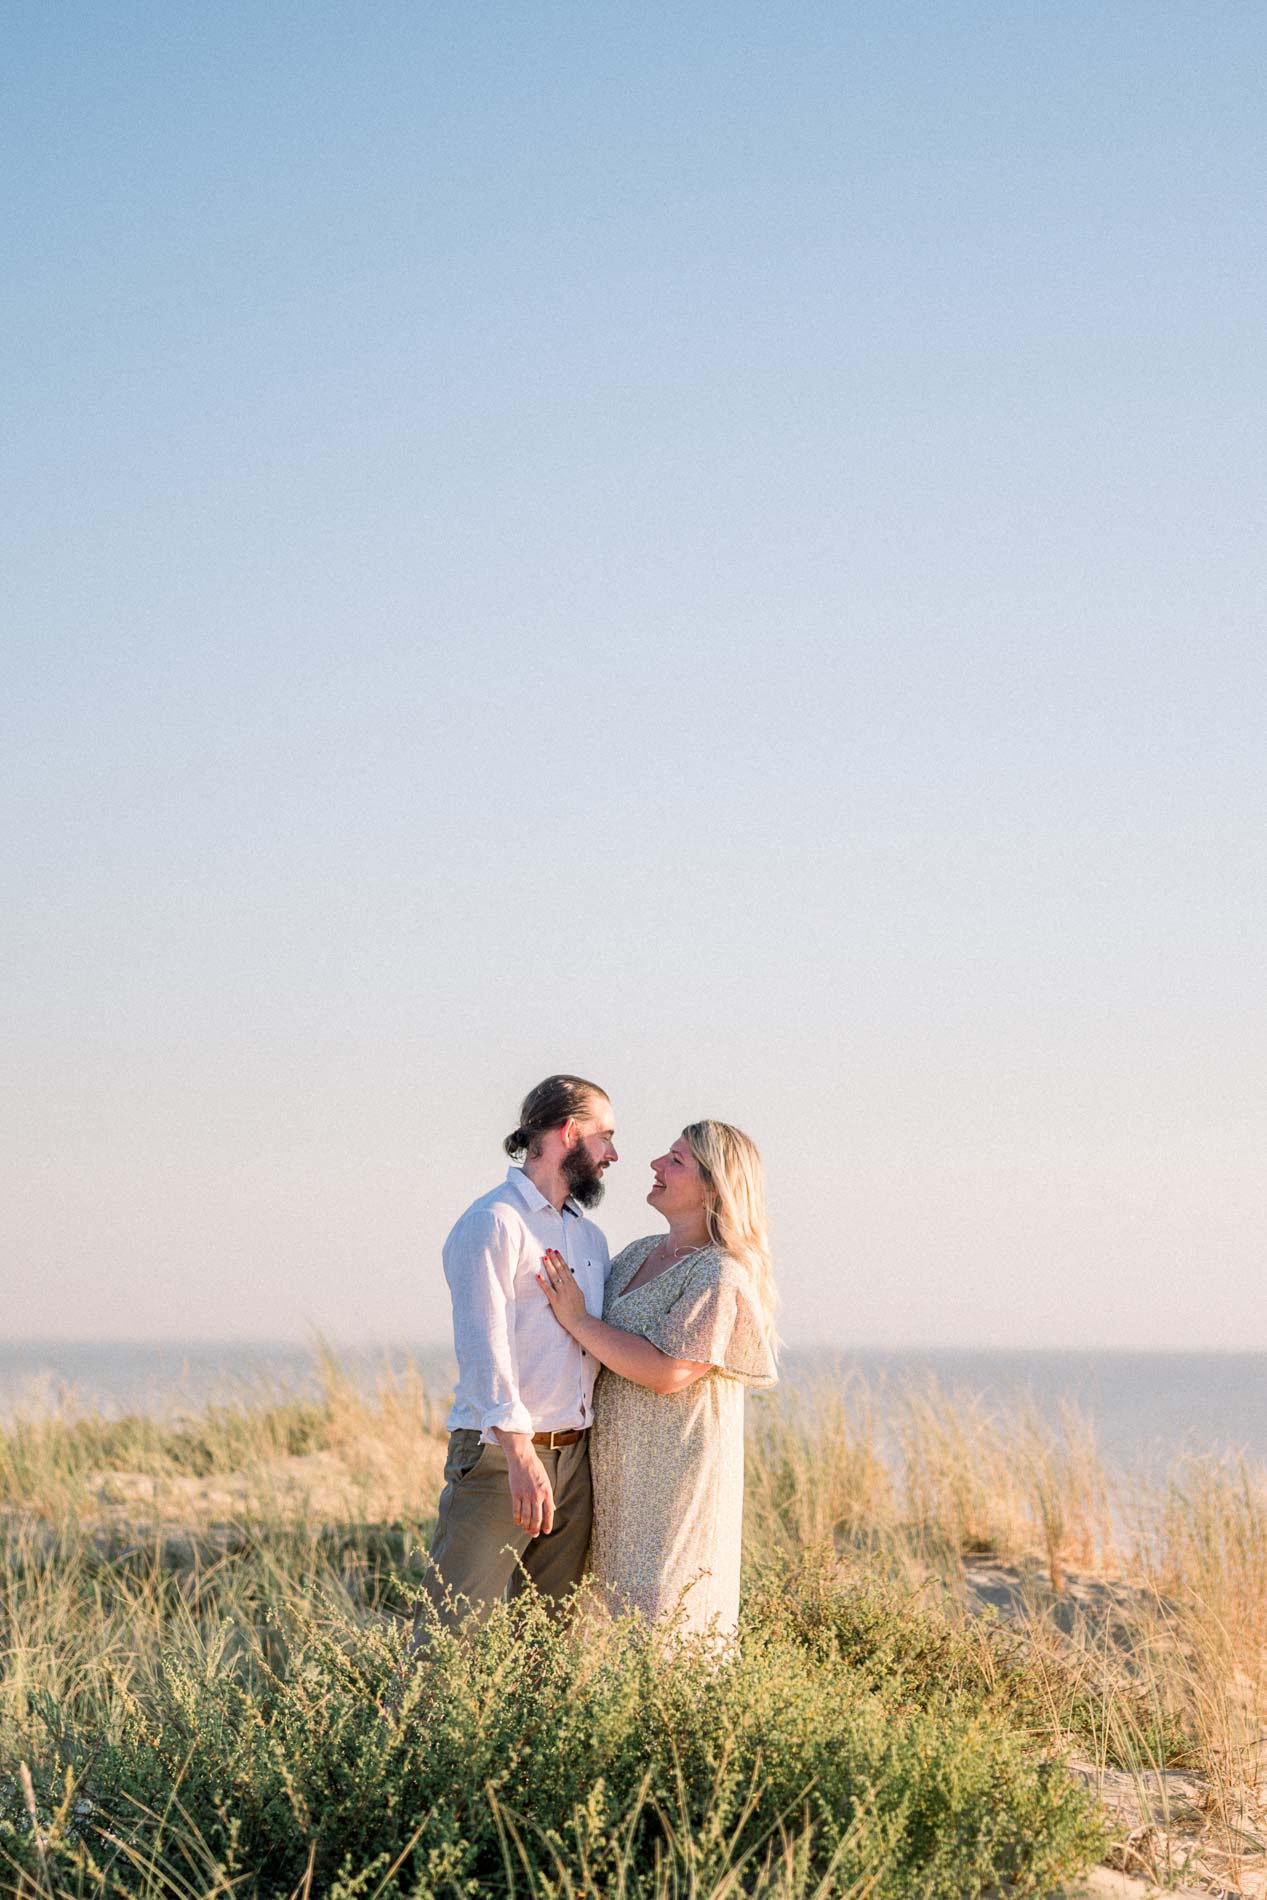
x=532 y=1758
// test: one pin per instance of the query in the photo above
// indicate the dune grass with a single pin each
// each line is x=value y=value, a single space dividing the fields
x=200 y=1627
x=913 y=1482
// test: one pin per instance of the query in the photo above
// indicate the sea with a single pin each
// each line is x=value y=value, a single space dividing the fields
x=1146 y=1408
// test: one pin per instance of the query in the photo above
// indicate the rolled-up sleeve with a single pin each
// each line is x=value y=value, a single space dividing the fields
x=479 y=1265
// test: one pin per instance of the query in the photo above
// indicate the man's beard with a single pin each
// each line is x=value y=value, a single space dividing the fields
x=583 y=1176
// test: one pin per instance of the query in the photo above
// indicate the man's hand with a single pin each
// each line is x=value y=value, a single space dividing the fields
x=531 y=1498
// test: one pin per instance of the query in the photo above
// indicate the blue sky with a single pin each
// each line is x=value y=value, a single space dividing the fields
x=717 y=547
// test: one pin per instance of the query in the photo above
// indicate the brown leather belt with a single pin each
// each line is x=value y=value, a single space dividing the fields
x=558 y=1438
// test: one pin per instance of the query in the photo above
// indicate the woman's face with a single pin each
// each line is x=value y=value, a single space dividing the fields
x=678 y=1188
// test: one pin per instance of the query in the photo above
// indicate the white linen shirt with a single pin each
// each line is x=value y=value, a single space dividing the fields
x=517 y=1367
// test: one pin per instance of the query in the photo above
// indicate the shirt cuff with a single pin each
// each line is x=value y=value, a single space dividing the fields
x=514 y=1416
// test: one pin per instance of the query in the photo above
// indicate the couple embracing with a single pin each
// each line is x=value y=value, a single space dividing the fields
x=597 y=1426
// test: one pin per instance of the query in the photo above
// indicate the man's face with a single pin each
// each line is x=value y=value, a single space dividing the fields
x=591 y=1153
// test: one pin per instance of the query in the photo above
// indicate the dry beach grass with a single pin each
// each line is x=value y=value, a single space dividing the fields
x=974 y=1662
x=1142 y=1599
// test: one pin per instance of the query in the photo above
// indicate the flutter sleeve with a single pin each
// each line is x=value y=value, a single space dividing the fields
x=715 y=1321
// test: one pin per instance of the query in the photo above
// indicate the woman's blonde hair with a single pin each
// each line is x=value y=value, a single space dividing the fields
x=734 y=1181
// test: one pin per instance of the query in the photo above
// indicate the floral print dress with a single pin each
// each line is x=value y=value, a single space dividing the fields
x=668 y=1468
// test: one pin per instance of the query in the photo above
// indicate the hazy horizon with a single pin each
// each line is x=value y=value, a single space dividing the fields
x=441 y=1342
x=713 y=548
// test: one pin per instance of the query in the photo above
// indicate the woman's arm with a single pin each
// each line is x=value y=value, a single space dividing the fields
x=628 y=1354
x=634 y=1357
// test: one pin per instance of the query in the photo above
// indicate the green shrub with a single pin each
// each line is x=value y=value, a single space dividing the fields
x=912 y=1654
x=825 y=1755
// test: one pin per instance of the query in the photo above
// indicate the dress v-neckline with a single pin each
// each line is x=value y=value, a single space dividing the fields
x=629 y=1287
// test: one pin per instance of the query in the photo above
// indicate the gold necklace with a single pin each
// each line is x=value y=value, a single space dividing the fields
x=693 y=1248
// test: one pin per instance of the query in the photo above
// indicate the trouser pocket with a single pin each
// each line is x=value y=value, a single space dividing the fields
x=466 y=1449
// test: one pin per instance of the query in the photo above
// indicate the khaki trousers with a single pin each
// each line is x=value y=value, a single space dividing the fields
x=479 y=1555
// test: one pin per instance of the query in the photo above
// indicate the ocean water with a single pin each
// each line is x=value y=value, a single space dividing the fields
x=1146 y=1408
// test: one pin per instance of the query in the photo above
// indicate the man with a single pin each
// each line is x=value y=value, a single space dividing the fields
x=516 y=1498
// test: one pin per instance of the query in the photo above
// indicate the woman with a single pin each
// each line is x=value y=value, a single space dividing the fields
x=688 y=1322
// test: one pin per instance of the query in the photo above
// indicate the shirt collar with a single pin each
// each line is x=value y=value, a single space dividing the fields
x=533 y=1196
